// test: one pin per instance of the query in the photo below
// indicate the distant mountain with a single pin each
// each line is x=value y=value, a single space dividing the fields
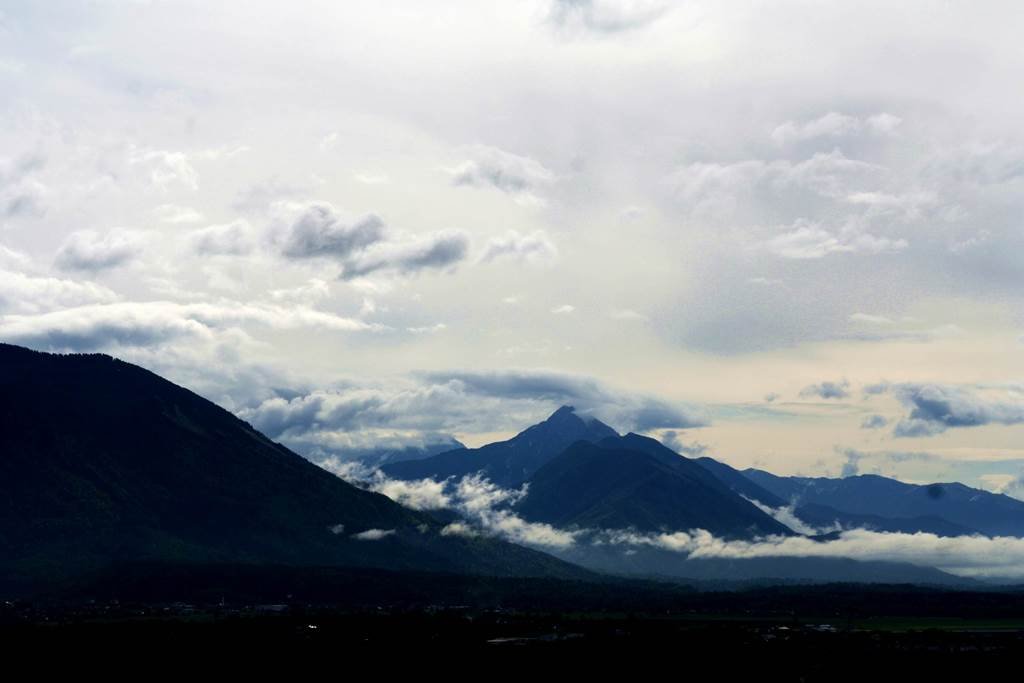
x=956 y=504
x=633 y=482
x=657 y=563
x=740 y=483
x=509 y=463
x=824 y=517
x=102 y=462
x=819 y=516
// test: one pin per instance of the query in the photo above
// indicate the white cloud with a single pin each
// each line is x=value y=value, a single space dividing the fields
x=90 y=250
x=172 y=213
x=373 y=534
x=515 y=175
x=100 y=326
x=231 y=239
x=811 y=241
x=605 y=16
x=534 y=249
x=834 y=125
x=167 y=170
x=20 y=293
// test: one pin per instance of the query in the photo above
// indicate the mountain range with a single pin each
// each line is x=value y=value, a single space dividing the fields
x=105 y=464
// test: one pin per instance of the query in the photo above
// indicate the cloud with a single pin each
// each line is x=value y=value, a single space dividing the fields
x=515 y=175
x=827 y=390
x=628 y=314
x=807 y=240
x=874 y=422
x=459 y=529
x=425 y=409
x=172 y=213
x=21 y=194
x=484 y=506
x=971 y=556
x=166 y=169
x=441 y=250
x=621 y=408
x=317 y=230
x=564 y=309
x=488 y=509
x=364 y=245
x=101 y=326
x=373 y=534
x=934 y=408
x=787 y=515
x=534 y=249
x=834 y=125
x=605 y=16
x=231 y=239
x=851 y=468
x=673 y=439
x=829 y=174
x=89 y=250
x=21 y=293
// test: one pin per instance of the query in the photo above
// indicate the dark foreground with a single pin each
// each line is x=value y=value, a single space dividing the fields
x=254 y=616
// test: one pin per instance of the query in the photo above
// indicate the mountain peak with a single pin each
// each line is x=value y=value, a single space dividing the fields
x=565 y=412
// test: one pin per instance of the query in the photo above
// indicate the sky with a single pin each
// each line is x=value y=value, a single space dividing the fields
x=787 y=235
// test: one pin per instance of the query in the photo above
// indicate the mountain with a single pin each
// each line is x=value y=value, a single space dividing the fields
x=825 y=517
x=741 y=484
x=634 y=482
x=103 y=462
x=509 y=463
x=664 y=564
x=991 y=514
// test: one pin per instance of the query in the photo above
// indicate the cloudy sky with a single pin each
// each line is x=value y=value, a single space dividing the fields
x=786 y=234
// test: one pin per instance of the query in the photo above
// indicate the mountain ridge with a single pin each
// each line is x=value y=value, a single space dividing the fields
x=106 y=462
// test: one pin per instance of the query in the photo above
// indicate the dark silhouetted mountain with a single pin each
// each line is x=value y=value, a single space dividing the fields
x=633 y=482
x=658 y=563
x=103 y=462
x=739 y=483
x=990 y=513
x=509 y=463
x=824 y=516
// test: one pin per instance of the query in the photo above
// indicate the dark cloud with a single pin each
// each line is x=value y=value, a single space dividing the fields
x=435 y=251
x=827 y=390
x=319 y=231
x=420 y=411
x=877 y=388
x=934 y=408
x=621 y=409
x=364 y=245
x=851 y=467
